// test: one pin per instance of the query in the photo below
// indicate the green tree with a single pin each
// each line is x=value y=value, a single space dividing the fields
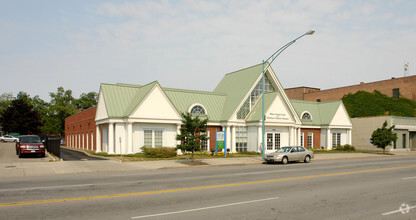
x=5 y=101
x=86 y=101
x=192 y=133
x=62 y=105
x=383 y=137
x=21 y=117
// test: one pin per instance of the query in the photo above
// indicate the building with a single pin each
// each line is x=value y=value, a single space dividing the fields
x=405 y=128
x=395 y=87
x=80 y=130
x=129 y=117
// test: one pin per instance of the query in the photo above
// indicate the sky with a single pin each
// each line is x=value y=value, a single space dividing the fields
x=80 y=44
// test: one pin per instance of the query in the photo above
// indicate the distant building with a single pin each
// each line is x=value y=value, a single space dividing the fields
x=394 y=87
x=405 y=128
x=80 y=130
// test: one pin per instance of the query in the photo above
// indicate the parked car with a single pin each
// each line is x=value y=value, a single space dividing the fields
x=30 y=144
x=8 y=138
x=290 y=153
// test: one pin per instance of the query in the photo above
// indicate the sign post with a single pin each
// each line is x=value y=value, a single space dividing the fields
x=220 y=142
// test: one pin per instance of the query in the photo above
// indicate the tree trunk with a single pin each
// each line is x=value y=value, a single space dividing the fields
x=192 y=156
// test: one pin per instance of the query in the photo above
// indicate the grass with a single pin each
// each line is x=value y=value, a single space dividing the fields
x=317 y=151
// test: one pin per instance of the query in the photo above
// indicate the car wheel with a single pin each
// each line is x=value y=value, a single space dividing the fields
x=20 y=155
x=2 y=141
x=42 y=155
x=15 y=141
x=307 y=159
x=284 y=160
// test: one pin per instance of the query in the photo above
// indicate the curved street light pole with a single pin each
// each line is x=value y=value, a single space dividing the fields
x=269 y=61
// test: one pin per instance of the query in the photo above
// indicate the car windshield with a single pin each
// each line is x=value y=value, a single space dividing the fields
x=284 y=149
x=30 y=140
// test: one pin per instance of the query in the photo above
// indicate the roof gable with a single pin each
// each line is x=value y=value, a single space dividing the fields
x=184 y=99
x=322 y=113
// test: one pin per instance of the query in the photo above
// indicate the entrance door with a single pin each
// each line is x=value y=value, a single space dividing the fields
x=273 y=141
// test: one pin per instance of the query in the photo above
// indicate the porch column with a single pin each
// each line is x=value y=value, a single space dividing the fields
x=232 y=148
x=349 y=137
x=328 y=139
x=111 y=138
x=259 y=133
x=129 y=138
x=229 y=137
x=98 y=139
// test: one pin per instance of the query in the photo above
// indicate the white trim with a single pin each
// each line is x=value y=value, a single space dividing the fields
x=304 y=112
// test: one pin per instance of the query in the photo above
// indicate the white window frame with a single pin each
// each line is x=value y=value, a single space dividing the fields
x=154 y=136
x=310 y=134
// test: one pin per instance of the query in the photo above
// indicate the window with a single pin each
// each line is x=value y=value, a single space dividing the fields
x=277 y=141
x=336 y=139
x=306 y=116
x=148 y=138
x=404 y=141
x=241 y=138
x=254 y=96
x=153 y=138
x=205 y=143
x=310 y=139
x=396 y=93
x=302 y=138
x=198 y=110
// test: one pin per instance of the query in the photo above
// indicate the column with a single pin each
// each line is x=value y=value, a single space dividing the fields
x=229 y=137
x=111 y=138
x=328 y=139
x=259 y=140
x=232 y=148
x=129 y=137
x=349 y=136
x=98 y=139
x=291 y=136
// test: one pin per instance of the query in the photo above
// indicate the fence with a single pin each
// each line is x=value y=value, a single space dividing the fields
x=52 y=144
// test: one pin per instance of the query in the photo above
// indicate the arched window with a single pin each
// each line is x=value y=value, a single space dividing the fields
x=198 y=110
x=306 y=116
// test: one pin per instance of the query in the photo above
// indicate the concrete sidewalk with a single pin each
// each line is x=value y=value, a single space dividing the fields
x=20 y=169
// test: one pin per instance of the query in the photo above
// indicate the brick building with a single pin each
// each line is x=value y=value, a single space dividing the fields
x=403 y=86
x=80 y=130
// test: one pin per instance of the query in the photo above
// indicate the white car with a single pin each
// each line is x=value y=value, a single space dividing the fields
x=290 y=153
x=8 y=138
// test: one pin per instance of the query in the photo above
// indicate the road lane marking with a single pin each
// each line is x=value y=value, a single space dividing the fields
x=204 y=208
x=408 y=178
x=397 y=211
x=197 y=187
x=45 y=187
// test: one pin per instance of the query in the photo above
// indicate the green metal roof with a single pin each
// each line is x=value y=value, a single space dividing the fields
x=184 y=99
x=236 y=85
x=122 y=99
x=255 y=114
x=322 y=112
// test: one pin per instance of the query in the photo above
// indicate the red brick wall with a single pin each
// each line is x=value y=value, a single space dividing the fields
x=81 y=124
x=297 y=93
x=406 y=85
x=316 y=137
x=212 y=130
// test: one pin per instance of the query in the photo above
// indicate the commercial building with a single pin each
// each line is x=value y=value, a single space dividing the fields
x=405 y=128
x=80 y=130
x=394 y=87
x=129 y=117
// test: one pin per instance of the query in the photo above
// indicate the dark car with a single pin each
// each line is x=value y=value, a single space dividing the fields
x=30 y=144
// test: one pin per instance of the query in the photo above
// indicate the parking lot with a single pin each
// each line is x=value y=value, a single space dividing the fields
x=8 y=154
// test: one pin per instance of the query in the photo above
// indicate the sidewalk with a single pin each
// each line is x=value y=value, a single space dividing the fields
x=20 y=169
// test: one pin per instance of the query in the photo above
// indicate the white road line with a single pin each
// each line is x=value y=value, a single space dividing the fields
x=408 y=178
x=45 y=187
x=397 y=211
x=204 y=208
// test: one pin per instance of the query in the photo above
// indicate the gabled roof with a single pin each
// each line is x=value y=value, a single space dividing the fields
x=236 y=85
x=322 y=112
x=184 y=99
x=255 y=114
x=122 y=99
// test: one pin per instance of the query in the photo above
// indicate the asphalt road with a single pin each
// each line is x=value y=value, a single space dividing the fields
x=73 y=155
x=346 y=189
x=8 y=154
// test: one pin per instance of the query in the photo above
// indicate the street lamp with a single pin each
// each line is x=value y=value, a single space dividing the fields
x=269 y=61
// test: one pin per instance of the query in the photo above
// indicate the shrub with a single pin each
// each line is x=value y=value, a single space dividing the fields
x=159 y=152
x=249 y=153
x=346 y=147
